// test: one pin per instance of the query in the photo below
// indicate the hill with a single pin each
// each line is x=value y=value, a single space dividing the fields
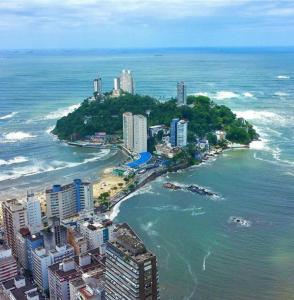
x=204 y=116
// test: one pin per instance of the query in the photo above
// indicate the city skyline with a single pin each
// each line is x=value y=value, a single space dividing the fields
x=149 y=23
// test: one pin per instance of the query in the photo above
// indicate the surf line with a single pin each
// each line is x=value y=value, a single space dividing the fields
x=204 y=260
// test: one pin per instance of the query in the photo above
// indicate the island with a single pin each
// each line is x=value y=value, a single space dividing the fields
x=99 y=122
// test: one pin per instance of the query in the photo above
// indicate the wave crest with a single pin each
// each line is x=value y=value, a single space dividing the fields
x=16 y=136
x=9 y=116
x=15 y=160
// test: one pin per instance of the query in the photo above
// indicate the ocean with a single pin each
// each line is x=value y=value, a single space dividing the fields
x=201 y=254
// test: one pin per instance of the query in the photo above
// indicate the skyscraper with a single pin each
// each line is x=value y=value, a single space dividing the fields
x=131 y=270
x=181 y=93
x=34 y=213
x=127 y=82
x=182 y=127
x=178 y=133
x=140 y=133
x=173 y=132
x=97 y=83
x=14 y=218
x=128 y=130
x=67 y=200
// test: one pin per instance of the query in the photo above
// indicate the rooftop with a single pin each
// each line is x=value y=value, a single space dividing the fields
x=129 y=243
x=144 y=158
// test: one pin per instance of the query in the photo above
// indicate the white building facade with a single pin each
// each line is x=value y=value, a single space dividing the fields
x=127 y=82
x=34 y=214
x=182 y=131
x=128 y=130
x=140 y=133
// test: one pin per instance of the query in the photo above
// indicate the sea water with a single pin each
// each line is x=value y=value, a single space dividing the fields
x=201 y=255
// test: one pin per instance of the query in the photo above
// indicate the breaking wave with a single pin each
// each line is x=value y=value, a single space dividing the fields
x=44 y=167
x=263 y=117
x=283 y=77
x=16 y=136
x=61 y=112
x=281 y=94
x=15 y=160
x=9 y=116
x=248 y=95
x=225 y=95
x=116 y=209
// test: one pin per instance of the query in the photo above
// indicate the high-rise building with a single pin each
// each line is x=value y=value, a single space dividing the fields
x=131 y=270
x=127 y=82
x=67 y=200
x=181 y=93
x=140 y=133
x=128 y=130
x=97 y=83
x=173 y=132
x=178 y=133
x=33 y=206
x=97 y=234
x=8 y=266
x=42 y=259
x=67 y=278
x=182 y=131
x=14 y=218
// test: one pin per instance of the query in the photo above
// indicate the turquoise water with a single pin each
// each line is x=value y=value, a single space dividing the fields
x=201 y=255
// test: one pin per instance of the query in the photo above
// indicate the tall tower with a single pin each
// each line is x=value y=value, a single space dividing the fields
x=182 y=129
x=181 y=93
x=173 y=132
x=131 y=270
x=34 y=213
x=127 y=82
x=97 y=83
x=140 y=133
x=128 y=130
x=14 y=218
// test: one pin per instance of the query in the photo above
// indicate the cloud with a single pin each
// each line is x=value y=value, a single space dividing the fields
x=54 y=19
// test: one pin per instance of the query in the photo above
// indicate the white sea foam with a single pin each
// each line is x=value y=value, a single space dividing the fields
x=204 y=260
x=281 y=94
x=49 y=129
x=248 y=95
x=12 y=161
x=225 y=95
x=44 y=167
x=283 y=77
x=9 y=116
x=262 y=117
x=16 y=136
x=61 y=112
x=201 y=94
x=149 y=228
x=116 y=209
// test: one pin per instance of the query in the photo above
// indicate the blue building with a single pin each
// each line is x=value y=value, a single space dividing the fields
x=33 y=242
x=173 y=132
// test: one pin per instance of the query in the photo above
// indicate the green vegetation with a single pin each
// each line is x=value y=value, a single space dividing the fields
x=204 y=118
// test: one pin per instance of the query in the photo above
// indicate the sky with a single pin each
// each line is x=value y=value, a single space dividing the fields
x=38 y=24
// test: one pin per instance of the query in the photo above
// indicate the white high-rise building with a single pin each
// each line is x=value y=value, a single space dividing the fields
x=34 y=214
x=97 y=83
x=182 y=130
x=140 y=133
x=42 y=259
x=181 y=93
x=67 y=200
x=128 y=130
x=127 y=82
